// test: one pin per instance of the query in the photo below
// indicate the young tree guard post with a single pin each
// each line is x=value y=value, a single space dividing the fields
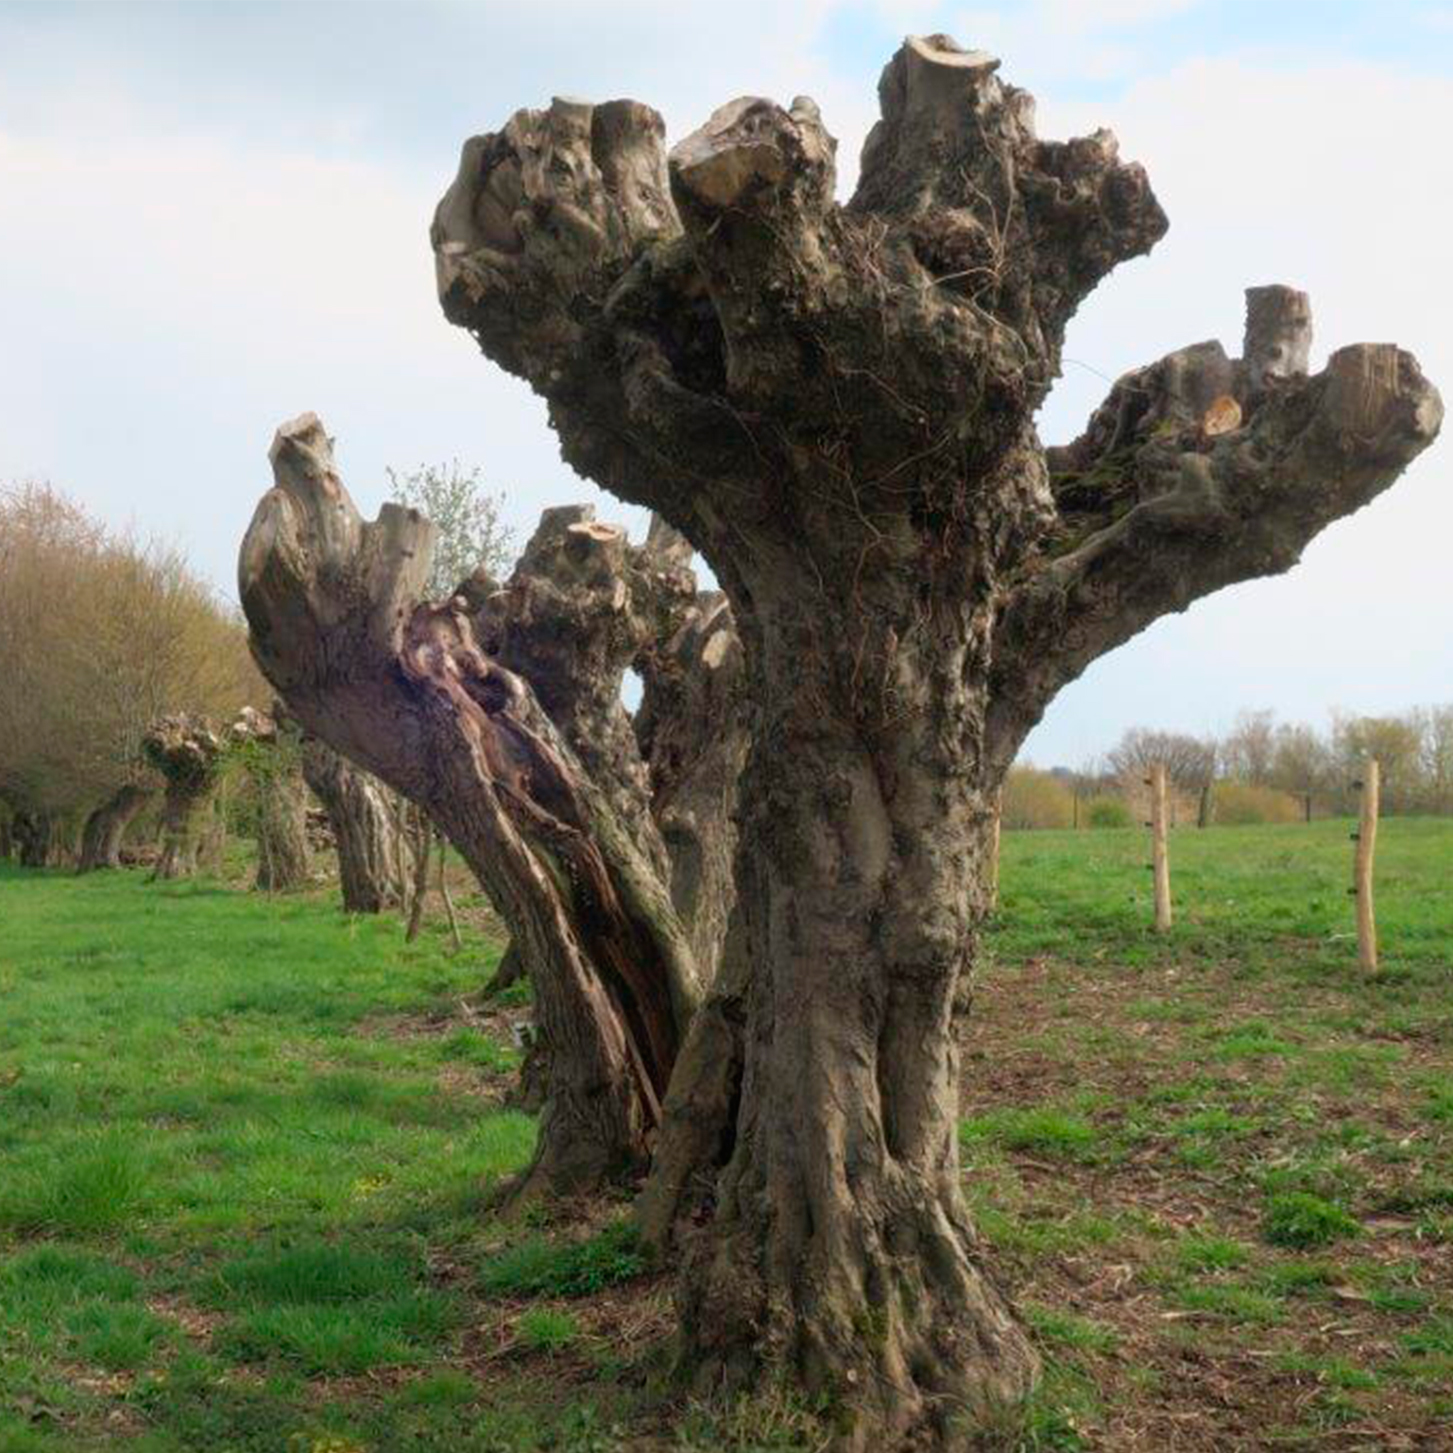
x=1366 y=839
x=1160 y=846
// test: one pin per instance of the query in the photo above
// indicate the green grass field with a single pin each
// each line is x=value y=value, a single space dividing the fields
x=247 y=1145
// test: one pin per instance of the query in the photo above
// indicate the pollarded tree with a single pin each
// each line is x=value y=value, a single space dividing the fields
x=269 y=748
x=190 y=755
x=99 y=634
x=835 y=405
x=106 y=826
x=520 y=751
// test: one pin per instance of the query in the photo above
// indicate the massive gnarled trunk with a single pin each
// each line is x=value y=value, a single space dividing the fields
x=189 y=754
x=369 y=845
x=105 y=828
x=835 y=405
x=403 y=689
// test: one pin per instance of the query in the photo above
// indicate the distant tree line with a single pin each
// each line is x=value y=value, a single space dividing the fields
x=1262 y=770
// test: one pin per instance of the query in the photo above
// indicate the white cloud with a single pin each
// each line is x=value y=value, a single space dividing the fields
x=1082 y=40
x=171 y=288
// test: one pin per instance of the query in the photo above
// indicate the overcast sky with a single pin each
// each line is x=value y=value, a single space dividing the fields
x=213 y=217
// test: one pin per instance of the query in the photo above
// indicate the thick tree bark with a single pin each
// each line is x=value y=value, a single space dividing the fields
x=583 y=605
x=403 y=690
x=363 y=828
x=839 y=1228
x=189 y=754
x=692 y=729
x=105 y=828
x=835 y=405
x=509 y=971
x=37 y=839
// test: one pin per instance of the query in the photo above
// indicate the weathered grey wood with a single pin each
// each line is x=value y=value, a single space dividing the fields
x=403 y=688
x=1278 y=341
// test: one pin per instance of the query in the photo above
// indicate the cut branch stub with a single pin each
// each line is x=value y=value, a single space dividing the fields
x=403 y=689
x=557 y=202
x=1278 y=334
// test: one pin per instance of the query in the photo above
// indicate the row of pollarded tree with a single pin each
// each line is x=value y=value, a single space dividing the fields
x=834 y=404
x=100 y=634
x=123 y=683
x=183 y=761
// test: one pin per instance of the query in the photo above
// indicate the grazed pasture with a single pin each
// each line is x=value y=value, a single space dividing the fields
x=247 y=1145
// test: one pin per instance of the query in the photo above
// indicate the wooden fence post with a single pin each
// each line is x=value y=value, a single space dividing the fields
x=994 y=851
x=1159 y=848
x=1366 y=839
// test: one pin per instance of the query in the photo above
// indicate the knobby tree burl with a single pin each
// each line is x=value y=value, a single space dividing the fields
x=834 y=404
x=499 y=712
